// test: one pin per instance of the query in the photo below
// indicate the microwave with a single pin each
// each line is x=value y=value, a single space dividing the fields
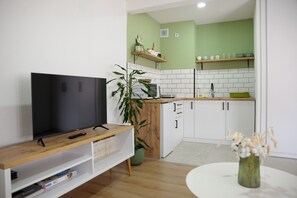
x=153 y=93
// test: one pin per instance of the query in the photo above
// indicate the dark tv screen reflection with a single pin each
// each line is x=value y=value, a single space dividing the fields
x=63 y=103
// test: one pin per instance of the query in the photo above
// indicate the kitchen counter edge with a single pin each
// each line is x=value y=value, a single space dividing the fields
x=167 y=100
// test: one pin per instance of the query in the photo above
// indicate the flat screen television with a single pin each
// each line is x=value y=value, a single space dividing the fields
x=63 y=103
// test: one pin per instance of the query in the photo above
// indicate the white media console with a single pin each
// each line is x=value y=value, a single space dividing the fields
x=86 y=154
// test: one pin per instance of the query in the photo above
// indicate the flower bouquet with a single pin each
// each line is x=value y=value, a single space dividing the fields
x=250 y=151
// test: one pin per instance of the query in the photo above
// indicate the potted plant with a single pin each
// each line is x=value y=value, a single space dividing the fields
x=130 y=104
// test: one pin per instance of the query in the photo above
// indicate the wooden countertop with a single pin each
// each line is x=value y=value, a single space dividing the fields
x=167 y=100
x=22 y=153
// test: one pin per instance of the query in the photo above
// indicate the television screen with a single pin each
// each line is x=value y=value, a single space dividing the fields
x=66 y=103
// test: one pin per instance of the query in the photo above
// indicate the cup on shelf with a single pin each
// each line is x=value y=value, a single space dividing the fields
x=199 y=57
x=205 y=57
x=217 y=57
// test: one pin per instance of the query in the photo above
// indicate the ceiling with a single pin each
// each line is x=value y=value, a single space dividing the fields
x=167 y=11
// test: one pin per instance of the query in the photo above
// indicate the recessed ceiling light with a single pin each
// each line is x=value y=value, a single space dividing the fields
x=201 y=5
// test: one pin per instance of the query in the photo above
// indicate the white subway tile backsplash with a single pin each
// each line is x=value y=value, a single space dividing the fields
x=209 y=76
x=243 y=89
x=171 y=76
x=181 y=76
x=249 y=85
x=189 y=95
x=251 y=80
x=238 y=75
x=177 y=81
x=171 y=85
x=181 y=86
x=249 y=75
x=233 y=90
x=167 y=81
x=223 y=80
x=233 y=80
x=166 y=72
x=189 y=76
x=228 y=76
x=243 y=80
x=244 y=70
x=203 y=81
x=222 y=90
x=228 y=85
x=233 y=71
x=223 y=71
x=180 y=81
x=219 y=85
x=238 y=85
x=176 y=71
x=219 y=76
x=214 y=80
x=200 y=76
x=185 y=80
x=190 y=86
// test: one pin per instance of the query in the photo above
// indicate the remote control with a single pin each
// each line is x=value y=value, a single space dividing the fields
x=76 y=135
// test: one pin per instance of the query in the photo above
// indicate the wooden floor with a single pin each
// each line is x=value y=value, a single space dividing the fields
x=153 y=179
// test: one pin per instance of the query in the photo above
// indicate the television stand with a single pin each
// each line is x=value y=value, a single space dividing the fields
x=89 y=156
x=101 y=127
x=40 y=140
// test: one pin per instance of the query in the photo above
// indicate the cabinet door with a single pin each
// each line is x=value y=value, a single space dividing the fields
x=189 y=119
x=167 y=128
x=178 y=117
x=240 y=117
x=210 y=120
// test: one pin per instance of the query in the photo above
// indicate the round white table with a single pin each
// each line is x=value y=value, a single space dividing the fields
x=219 y=180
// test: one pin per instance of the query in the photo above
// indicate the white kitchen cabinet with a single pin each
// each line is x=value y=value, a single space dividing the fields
x=240 y=117
x=215 y=118
x=178 y=119
x=189 y=118
x=167 y=128
x=171 y=126
x=209 y=121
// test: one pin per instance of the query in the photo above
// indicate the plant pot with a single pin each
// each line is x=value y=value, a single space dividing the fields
x=138 y=157
x=249 y=172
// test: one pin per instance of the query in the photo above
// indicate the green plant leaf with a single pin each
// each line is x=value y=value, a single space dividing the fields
x=118 y=73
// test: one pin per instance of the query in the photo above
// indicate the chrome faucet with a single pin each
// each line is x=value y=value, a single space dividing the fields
x=212 y=90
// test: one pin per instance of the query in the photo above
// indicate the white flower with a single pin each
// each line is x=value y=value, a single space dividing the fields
x=255 y=145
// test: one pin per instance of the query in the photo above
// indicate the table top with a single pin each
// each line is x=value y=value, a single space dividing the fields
x=220 y=180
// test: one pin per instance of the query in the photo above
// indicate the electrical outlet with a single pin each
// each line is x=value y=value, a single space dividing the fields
x=176 y=35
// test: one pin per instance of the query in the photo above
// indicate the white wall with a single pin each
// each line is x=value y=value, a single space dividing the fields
x=78 y=37
x=281 y=74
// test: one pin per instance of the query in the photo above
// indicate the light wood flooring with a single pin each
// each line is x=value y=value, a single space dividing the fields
x=152 y=179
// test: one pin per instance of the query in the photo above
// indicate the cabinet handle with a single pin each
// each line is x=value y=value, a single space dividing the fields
x=191 y=105
x=176 y=124
x=228 y=106
x=223 y=105
x=174 y=107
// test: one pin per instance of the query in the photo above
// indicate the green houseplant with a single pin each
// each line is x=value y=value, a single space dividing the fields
x=130 y=105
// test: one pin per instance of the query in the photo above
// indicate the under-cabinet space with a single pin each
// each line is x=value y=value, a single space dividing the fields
x=43 y=168
x=112 y=150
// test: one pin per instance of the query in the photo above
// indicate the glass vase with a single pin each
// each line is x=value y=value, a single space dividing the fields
x=249 y=172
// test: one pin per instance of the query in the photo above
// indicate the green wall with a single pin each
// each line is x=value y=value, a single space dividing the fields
x=228 y=37
x=148 y=28
x=179 y=51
